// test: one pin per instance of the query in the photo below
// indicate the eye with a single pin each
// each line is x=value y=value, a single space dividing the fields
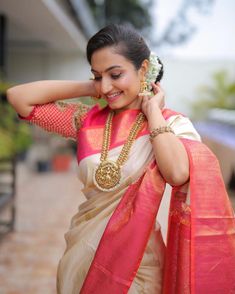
x=115 y=76
x=97 y=78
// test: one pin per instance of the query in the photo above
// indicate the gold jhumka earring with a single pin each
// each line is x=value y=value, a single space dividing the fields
x=144 y=91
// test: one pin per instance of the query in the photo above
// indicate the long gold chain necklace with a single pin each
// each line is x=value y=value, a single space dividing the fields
x=107 y=176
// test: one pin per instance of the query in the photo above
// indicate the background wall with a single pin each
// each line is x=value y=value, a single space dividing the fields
x=26 y=66
x=183 y=77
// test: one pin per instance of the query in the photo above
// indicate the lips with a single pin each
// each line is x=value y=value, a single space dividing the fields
x=114 y=96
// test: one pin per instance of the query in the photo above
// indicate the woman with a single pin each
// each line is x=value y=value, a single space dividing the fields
x=114 y=244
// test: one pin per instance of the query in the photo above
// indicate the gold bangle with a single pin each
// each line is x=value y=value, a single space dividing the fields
x=155 y=132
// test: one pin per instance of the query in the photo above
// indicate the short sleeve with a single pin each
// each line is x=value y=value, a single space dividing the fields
x=183 y=127
x=59 y=117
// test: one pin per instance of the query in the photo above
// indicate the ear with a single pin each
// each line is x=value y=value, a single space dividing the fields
x=144 y=68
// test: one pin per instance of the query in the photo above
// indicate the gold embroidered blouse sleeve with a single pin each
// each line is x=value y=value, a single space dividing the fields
x=63 y=118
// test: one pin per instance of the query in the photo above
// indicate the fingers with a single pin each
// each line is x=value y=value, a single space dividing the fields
x=156 y=88
x=158 y=92
x=143 y=98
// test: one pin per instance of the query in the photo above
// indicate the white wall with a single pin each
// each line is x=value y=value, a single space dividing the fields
x=183 y=77
x=27 y=66
x=68 y=66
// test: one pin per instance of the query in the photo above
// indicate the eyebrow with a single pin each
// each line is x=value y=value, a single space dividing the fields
x=108 y=69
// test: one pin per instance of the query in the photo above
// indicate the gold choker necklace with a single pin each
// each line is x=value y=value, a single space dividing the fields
x=107 y=176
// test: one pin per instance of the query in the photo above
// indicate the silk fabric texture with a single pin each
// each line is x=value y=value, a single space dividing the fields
x=114 y=244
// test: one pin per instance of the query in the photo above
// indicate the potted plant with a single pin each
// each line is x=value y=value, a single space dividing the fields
x=220 y=95
x=15 y=136
x=62 y=158
x=215 y=115
x=14 y=140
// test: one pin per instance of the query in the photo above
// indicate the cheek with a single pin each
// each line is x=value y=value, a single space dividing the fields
x=129 y=83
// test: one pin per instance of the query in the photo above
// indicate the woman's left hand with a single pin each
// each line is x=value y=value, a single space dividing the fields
x=152 y=103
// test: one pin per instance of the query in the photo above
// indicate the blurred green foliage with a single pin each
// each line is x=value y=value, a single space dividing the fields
x=15 y=136
x=220 y=94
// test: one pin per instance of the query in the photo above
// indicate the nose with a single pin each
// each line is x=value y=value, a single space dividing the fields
x=106 y=85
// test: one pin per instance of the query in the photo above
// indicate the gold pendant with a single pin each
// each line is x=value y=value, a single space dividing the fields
x=107 y=176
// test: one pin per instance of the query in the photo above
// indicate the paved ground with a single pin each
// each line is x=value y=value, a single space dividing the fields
x=29 y=256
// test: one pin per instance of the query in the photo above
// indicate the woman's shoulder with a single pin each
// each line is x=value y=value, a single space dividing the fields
x=167 y=113
x=181 y=124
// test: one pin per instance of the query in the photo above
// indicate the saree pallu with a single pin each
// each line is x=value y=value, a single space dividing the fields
x=114 y=244
x=89 y=223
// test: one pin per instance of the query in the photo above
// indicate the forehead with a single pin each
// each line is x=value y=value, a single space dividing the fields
x=108 y=57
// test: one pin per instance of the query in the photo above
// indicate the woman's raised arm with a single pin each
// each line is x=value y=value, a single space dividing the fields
x=23 y=97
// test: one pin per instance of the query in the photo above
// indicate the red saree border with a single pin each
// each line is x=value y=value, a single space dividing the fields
x=212 y=224
x=90 y=136
x=120 y=250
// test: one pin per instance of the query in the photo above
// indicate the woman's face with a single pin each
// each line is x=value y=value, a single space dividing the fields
x=116 y=79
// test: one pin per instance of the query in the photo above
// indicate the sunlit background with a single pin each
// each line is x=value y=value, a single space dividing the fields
x=46 y=39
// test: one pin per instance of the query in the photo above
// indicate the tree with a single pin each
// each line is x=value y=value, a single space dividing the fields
x=180 y=29
x=137 y=12
x=132 y=12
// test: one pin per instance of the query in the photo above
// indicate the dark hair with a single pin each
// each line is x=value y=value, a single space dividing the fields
x=128 y=42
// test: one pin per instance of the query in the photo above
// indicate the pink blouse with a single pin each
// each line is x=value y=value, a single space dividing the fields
x=63 y=118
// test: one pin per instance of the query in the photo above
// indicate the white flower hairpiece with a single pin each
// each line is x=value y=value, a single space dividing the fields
x=153 y=71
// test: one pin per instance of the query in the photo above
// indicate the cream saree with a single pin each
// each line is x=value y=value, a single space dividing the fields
x=114 y=244
x=88 y=225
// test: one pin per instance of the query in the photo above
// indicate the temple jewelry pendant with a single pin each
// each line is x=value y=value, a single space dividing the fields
x=107 y=176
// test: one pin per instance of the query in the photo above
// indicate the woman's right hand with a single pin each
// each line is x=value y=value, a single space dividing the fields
x=91 y=90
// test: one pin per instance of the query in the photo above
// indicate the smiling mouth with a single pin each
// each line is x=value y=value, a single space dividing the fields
x=113 y=96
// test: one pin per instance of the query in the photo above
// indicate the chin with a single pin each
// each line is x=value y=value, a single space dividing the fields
x=116 y=108
x=115 y=105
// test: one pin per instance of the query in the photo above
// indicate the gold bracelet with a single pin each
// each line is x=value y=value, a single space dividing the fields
x=155 y=132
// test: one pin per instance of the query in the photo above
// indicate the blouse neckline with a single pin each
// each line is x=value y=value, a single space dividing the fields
x=125 y=111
